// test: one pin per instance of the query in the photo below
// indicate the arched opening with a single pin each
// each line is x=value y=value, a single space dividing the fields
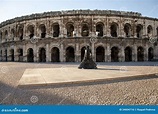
x=128 y=54
x=12 y=54
x=6 y=35
x=100 y=54
x=20 y=55
x=20 y=32
x=1 y=55
x=85 y=30
x=6 y=55
x=140 y=54
x=42 y=55
x=127 y=30
x=113 y=29
x=82 y=52
x=56 y=30
x=12 y=34
x=139 y=29
x=99 y=29
x=149 y=30
x=30 y=55
x=150 y=54
x=31 y=31
x=70 y=54
x=114 y=54
x=70 y=30
x=43 y=31
x=55 y=55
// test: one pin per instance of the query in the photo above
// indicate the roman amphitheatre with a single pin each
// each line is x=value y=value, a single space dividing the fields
x=40 y=53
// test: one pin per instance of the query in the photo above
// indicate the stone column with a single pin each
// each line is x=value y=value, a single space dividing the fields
x=35 y=53
x=105 y=54
x=93 y=52
x=47 y=53
x=108 y=28
x=24 y=53
x=108 y=53
x=16 y=53
x=122 y=54
x=146 y=53
x=134 y=53
x=77 y=53
x=61 y=53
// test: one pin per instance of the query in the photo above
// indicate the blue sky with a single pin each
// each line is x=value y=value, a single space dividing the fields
x=13 y=8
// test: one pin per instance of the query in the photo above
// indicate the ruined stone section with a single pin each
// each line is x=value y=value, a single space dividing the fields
x=62 y=35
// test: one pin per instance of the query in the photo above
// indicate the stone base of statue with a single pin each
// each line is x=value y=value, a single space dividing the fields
x=87 y=62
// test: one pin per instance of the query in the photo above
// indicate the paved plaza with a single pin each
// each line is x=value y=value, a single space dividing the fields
x=62 y=83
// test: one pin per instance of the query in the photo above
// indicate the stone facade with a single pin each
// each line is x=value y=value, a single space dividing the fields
x=61 y=36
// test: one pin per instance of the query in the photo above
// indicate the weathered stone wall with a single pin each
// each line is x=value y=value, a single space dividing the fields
x=108 y=20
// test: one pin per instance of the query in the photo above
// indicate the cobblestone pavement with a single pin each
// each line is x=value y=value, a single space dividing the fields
x=118 y=92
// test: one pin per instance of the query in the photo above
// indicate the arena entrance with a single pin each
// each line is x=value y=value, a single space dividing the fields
x=82 y=52
x=30 y=55
x=150 y=54
x=6 y=55
x=140 y=54
x=12 y=54
x=100 y=54
x=114 y=54
x=42 y=55
x=128 y=54
x=55 y=55
x=70 y=54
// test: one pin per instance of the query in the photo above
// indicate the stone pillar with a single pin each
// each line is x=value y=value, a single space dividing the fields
x=47 y=53
x=108 y=53
x=24 y=53
x=146 y=53
x=79 y=26
x=108 y=28
x=105 y=54
x=122 y=55
x=61 y=53
x=144 y=32
x=16 y=53
x=93 y=52
x=77 y=53
x=35 y=53
x=134 y=53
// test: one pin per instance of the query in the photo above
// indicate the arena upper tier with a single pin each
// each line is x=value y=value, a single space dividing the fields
x=61 y=36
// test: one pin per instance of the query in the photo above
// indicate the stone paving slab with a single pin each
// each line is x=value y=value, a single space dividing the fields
x=47 y=76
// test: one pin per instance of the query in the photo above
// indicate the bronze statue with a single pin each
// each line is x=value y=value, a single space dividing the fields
x=87 y=62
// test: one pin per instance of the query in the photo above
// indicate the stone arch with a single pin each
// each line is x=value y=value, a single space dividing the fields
x=100 y=54
x=114 y=29
x=42 y=28
x=42 y=55
x=127 y=30
x=150 y=54
x=70 y=29
x=149 y=30
x=139 y=30
x=140 y=54
x=12 y=54
x=30 y=30
x=70 y=54
x=99 y=29
x=128 y=54
x=55 y=54
x=56 y=29
x=30 y=55
x=85 y=29
x=20 y=32
x=114 y=54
